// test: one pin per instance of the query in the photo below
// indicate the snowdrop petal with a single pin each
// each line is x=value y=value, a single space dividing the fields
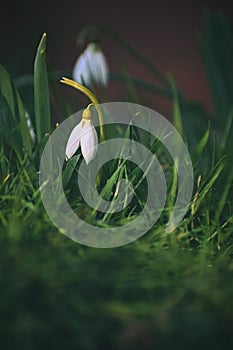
x=89 y=142
x=91 y=67
x=74 y=141
x=80 y=72
x=82 y=67
x=101 y=68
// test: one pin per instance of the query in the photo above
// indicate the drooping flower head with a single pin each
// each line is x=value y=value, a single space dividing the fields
x=91 y=67
x=85 y=136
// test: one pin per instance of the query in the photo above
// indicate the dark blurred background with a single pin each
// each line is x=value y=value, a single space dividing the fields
x=165 y=32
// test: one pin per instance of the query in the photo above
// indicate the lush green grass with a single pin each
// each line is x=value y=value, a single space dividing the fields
x=56 y=294
x=163 y=291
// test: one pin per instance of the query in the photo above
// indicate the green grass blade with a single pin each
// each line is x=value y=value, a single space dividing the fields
x=41 y=92
x=202 y=144
x=213 y=176
x=225 y=192
x=69 y=169
x=176 y=115
x=227 y=130
x=12 y=116
x=217 y=52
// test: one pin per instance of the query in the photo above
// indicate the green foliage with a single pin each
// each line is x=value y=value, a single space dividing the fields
x=163 y=291
x=13 y=124
x=217 y=51
x=41 y=93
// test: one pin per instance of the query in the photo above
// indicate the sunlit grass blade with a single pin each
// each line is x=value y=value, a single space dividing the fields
x=41 y=92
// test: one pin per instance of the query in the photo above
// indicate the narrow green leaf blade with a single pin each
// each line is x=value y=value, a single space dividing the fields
x=217 y=51
x=12 y=115
x=41 y=92
x=177 y=118
x=202 y=143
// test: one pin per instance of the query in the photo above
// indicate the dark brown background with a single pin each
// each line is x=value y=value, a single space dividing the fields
x=166 y=32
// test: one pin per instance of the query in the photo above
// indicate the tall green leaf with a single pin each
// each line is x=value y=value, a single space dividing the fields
x=176 y=115
x=13 y=123
x=217 y=51
x=41 y=92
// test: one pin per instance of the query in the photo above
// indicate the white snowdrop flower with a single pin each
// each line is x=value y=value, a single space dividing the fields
x=30 y=127
x=91 y=67
x=84 y=135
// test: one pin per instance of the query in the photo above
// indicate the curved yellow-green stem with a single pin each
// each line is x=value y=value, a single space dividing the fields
x=91 y=97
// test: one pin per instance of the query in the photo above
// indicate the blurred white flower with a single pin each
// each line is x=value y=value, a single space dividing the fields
x=30 y=127
x=91 y=67
x=84 y=135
